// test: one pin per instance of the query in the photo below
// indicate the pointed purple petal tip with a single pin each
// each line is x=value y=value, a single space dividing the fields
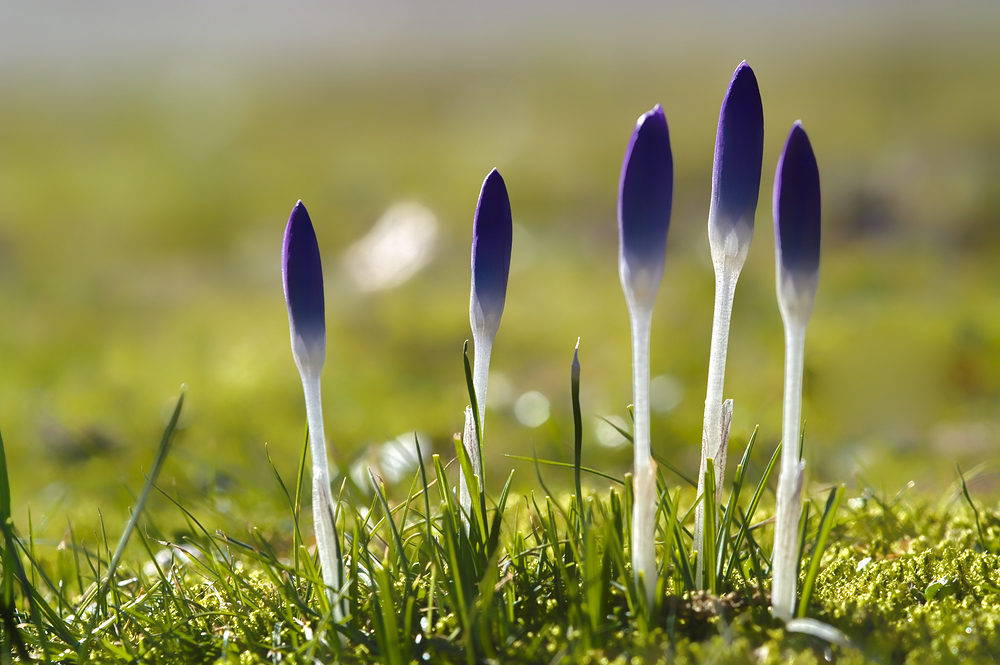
x=739 y=151
x=302 y=276
x=797 y=204
x=492 y=231
x=645 y=193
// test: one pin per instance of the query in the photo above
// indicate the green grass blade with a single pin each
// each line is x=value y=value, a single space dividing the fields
x=975 y=511
x=494 y=538
x=9 y=553
x=724 y=538
x=475 y=405
x=577 y=427
x=751 y=509
x=709 y=525
x=567 y=465
x=475 y=488
x=161 y=457
x=397 y=541
x=825 y=526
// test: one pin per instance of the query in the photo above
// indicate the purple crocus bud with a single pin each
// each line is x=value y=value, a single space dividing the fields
x=645 y=194
x=739 y=150
x=796 y=246
x=302 y=276
x=491 y=239
x=739 y=153
x=797 y=225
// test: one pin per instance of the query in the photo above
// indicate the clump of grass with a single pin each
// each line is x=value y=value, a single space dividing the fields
x=543 y=577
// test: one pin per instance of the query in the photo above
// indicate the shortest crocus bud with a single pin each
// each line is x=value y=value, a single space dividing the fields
x=645 y=194
x=492 y=230
x=797 y=226
x=302 y=275
x=739 y=153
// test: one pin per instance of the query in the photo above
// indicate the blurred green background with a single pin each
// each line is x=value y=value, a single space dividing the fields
x=150 y=155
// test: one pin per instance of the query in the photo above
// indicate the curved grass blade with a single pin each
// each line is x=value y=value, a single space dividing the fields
x=825 y=526
x=659 y=459
x=161 y=457
x=744 y=532
x=522 y=458
x=708 y=528
x=396 y=539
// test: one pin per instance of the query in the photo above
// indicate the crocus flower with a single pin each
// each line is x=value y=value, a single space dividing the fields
x=739 y=151
x=796 y=244
x=491 y=238
x=645 y=194
x=302 y=275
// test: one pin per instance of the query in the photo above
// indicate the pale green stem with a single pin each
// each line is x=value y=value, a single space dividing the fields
x=644 y=507
x=324 y=509
x=789 y=500
x=480 y=376
x=712 y=444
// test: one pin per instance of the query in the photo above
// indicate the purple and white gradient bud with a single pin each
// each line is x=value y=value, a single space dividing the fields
x=302 y=276
x=796 y=244
x=492 y=230
x=645 y=195
x=739 y=153
x=797 y=225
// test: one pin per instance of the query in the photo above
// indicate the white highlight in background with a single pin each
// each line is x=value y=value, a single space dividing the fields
x=532 y=409
x=397 y=247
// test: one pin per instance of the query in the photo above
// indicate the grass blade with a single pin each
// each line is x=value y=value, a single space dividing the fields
x=825 y=526
x=577 y=427
x=161 y=457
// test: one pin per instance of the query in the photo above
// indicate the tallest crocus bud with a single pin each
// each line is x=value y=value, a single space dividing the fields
x=739 y=151
x=492 y=231
x=796 y=244
x=645 y=194
x=302 y=275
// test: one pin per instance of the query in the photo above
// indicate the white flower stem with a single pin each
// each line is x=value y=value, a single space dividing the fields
x=644 y=505
x=324 y=509
x=480 y=376
x=789 y=504
x=712 y=443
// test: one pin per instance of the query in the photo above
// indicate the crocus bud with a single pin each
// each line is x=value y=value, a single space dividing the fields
x=645 y=194
x=797 y=226
x=302 y=275
x=491 y=239
x=796 y=245
x=739 y=152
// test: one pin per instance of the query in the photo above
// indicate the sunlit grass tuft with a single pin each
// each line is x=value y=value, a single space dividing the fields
x=541 y=577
